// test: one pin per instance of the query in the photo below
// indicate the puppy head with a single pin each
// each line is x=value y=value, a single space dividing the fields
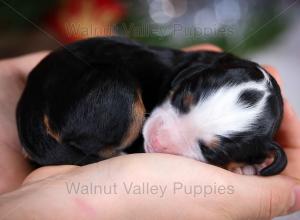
x=223 y=114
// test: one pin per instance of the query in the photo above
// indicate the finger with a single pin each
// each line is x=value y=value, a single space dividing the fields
x=264 y=198
x=293 y=166
x=24 y=64
x=207 y=47
x=231 y=195
x=13 y=168
x=48 y=171
x=289 y=131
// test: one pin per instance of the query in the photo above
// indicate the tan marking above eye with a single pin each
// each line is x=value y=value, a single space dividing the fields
x=215 y=142
x=49 y=130
x=188 y=100
x=137 y=120
x=211 y=143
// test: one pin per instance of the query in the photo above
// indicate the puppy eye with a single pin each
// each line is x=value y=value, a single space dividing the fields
x=214 y=156
x=183 y=101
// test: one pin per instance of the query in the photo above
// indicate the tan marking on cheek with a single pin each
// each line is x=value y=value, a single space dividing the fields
x=49 y=130
x=137 y=120
x=108 y=152
x=214 y=143
x=232 y=166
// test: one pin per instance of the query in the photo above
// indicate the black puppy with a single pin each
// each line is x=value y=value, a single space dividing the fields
x=87 y=101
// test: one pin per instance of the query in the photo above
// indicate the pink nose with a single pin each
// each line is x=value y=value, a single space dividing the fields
x=153 y=143
x=159 y=138
x=160 y=145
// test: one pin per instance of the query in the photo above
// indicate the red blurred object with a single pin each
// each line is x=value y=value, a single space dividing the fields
x=79 y=19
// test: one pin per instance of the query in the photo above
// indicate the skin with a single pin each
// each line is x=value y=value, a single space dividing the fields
x=252 y=197
x=13 y=166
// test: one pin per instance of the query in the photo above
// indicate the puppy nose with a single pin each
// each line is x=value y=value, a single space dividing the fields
x=158 y=137
x=161 y=144
x=155 y=144
x=153 y=131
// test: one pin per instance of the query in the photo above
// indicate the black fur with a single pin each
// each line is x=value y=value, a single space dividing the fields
x=250 y=97
x=87 y=90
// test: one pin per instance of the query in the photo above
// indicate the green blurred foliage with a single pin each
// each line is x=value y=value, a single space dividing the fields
x=263 y=28
x=14 y=14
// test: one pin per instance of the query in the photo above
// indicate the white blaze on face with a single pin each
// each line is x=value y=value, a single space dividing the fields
x=166 y=132
x=218 y=114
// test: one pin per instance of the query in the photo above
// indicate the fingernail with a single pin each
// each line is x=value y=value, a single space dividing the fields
x=295 y=205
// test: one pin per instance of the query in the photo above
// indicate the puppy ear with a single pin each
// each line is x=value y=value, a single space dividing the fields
x=279 y=162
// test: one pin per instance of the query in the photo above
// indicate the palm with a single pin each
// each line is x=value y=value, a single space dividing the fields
x=13 y=166
x=11 y=86
x=289 y=138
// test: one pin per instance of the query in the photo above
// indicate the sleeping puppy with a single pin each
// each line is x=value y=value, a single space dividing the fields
x=87 y=102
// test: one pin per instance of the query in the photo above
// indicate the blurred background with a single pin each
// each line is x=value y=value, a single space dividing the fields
x=264 y=31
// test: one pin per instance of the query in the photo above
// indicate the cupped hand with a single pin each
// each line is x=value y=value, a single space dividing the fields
x=148 y=186
x=251 y=197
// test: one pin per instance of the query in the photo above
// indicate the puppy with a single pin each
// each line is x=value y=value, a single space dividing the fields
x=87 y=102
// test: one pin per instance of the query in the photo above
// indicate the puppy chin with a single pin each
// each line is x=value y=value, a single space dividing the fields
x=189 y=153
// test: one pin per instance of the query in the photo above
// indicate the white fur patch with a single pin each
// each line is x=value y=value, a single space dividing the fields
x=221 y=114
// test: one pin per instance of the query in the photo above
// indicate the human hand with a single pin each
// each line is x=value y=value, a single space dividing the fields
x=13 y=73
x=289 y=133
x=252 y=197
x=260 y=197
x=193 y=190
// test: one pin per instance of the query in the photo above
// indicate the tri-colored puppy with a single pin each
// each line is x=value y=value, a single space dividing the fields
x=87 y=102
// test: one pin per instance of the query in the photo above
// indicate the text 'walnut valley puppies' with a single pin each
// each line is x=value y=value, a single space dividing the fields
x=87 y=102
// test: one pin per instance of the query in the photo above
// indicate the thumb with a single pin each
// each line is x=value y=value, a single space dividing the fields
x=265 y=197
x=288 y=134
x=25 y=63
x=46 y=172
